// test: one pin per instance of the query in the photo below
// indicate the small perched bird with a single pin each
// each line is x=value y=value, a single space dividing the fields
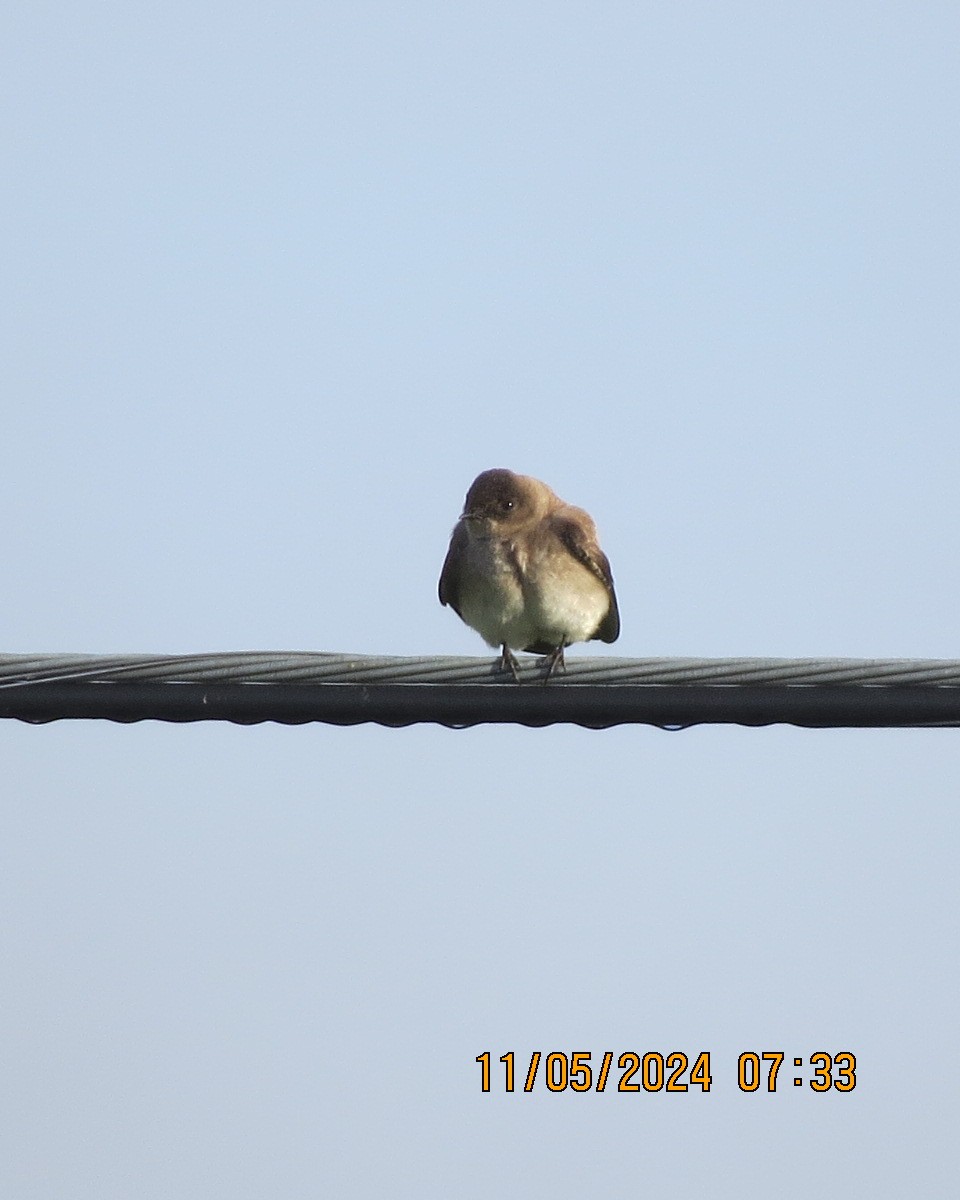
x=525 y=570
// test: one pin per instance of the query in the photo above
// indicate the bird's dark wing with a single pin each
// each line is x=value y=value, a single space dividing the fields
x=579 y=537
x=451 y=575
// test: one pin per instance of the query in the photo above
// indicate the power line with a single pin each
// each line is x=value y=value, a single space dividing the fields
x=344 y=689
x=314 y=667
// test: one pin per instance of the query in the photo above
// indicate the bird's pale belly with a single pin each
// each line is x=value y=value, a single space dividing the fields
x=547 y=607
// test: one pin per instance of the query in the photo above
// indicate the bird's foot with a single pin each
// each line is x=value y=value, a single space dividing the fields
x=509 y=663
x=555 y=662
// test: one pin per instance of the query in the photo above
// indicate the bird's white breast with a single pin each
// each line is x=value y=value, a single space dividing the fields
x=517 y=595
x=492 y=600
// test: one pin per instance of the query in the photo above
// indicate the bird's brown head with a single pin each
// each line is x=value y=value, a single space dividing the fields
x=501 y=500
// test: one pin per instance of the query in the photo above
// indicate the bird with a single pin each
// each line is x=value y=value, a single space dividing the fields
x=525 y=570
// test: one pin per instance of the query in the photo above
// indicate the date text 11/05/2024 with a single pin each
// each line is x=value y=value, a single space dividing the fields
x=581 y=1071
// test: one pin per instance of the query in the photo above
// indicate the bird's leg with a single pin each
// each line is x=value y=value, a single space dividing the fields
x=554 y=661
x=509 y=663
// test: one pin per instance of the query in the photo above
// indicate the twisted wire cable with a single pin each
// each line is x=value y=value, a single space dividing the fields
x=307 y=667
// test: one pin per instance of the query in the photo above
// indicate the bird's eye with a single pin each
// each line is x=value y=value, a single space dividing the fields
x=507 y=505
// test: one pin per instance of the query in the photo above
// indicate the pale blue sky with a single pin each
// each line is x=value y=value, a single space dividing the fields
x=276 y=284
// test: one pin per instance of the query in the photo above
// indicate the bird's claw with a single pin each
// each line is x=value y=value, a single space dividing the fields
x=508 y=662
x=555 y=661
